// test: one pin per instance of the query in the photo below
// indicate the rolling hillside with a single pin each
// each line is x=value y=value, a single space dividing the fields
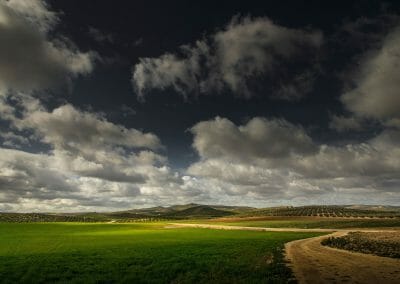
x=192 y=211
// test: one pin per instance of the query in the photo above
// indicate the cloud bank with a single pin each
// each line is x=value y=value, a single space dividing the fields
x=276 y=160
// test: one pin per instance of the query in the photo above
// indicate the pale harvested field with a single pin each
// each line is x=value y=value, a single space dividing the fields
x=383 y=236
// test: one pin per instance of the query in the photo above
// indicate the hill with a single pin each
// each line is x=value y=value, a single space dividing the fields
x=200 y=211
x=192 y=210
x=324 y=211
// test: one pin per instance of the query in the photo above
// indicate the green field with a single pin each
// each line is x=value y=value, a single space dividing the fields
x=139 y=253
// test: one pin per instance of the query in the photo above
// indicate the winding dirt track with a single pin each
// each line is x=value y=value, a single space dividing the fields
x=314 y=263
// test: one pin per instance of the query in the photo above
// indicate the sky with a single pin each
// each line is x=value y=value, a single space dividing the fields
x=112 y=105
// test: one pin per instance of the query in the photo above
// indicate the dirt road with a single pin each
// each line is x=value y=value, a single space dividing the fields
x=314 y=263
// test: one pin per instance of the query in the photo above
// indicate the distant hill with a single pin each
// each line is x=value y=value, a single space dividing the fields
x=200 y=211
x=186 y=210
x=192 y=210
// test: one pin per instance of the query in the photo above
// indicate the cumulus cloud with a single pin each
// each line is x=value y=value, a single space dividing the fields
x=231 y=58
x=68 y=128
x=54 y=182
x=29 y=58
x=91 y=164
x=89 y=145
x=376 y=93
x=258 y=139
x=282 y=162
x=263 y=160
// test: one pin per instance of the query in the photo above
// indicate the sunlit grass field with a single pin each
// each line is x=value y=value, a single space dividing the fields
x=139 y=253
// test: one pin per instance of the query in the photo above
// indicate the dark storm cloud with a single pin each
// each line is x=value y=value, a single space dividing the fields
x=232 y=58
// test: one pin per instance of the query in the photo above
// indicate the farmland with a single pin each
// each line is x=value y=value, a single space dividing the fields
x=198 y=211
x=140 y=253
x=378 y=243
x=142 y=245
x=324 y=211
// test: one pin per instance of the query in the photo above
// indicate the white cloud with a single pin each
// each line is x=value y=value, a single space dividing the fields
x=257 y=139
x=377 y=83
x=55 y=182
x=89 y=145
x=29 y=58
x=251 y=47
x=251 y=170
x=34 y=11
x=93 y=164
x=171 y=71
x=68 y=128
x=279 y=161
x=246 y=48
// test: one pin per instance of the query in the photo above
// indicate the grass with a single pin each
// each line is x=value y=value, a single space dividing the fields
x=305 y=222
x=139 y=253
